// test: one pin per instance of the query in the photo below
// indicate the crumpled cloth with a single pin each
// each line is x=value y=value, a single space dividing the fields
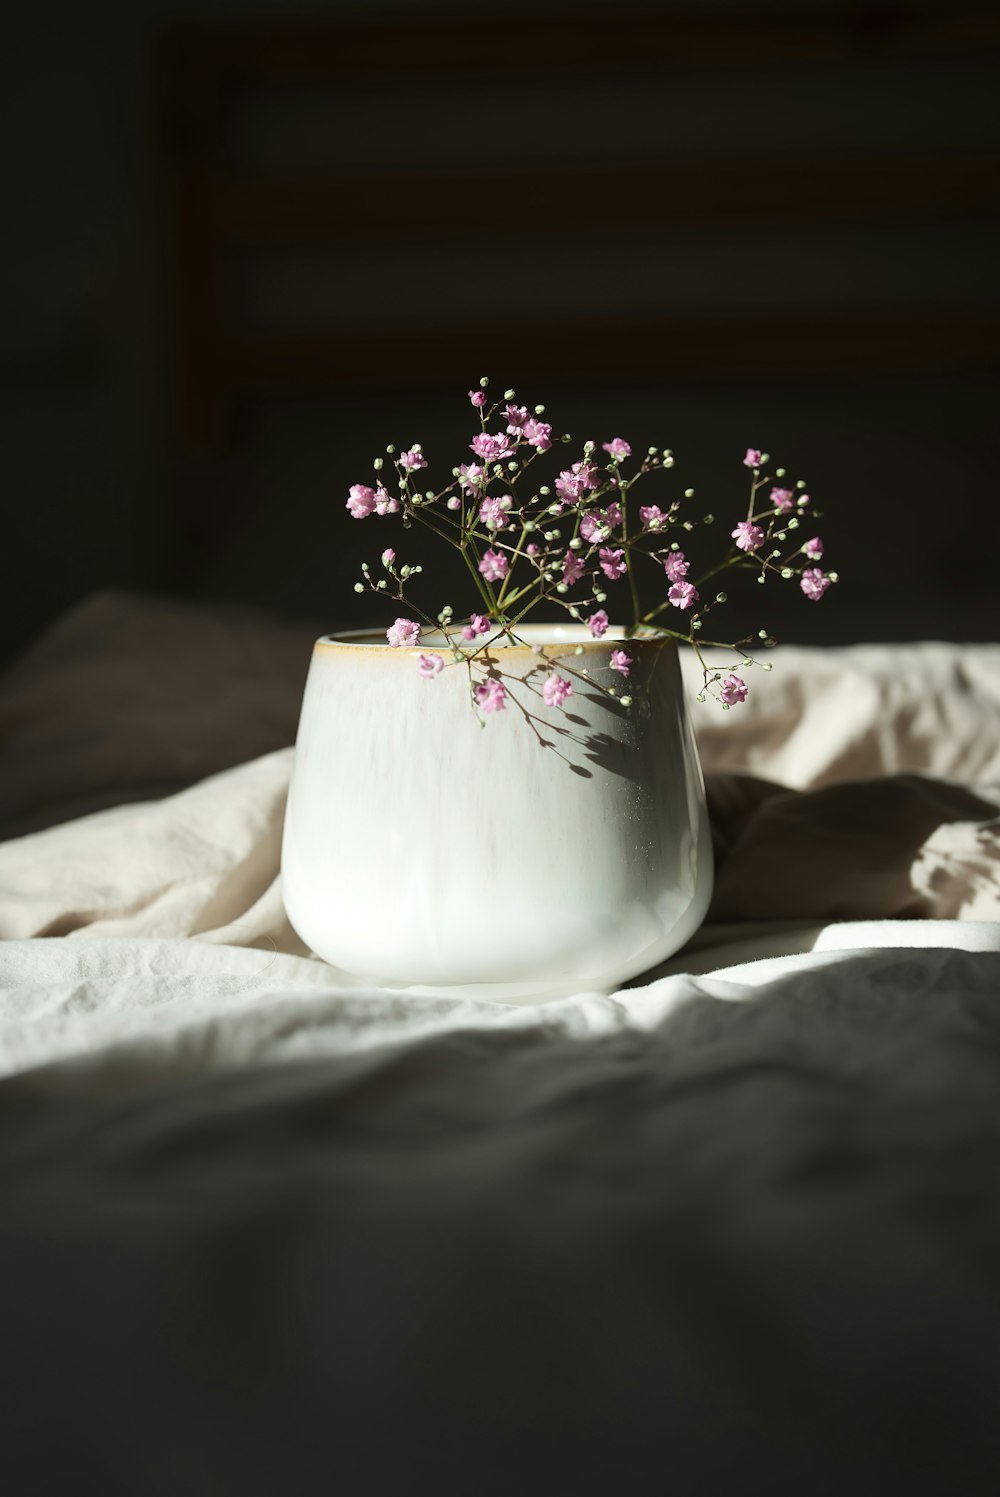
x=735 y=1225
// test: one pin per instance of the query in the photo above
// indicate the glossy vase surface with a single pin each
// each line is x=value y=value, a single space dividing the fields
x=539 y=852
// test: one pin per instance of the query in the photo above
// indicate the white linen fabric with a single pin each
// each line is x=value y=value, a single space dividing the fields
x=263 y=1228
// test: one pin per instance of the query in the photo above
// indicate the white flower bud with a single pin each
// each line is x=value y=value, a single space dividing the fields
x=689 y=493
x=561 y=587
x=575 y=544
x=390 y=449
x=626 y=701
x=578 y=650
x=483 y=382
x=508 y=395
x=668 y=462
x=793 y=523
x=600 y=597
x=786 y=572
x=359 y=587
x=404 y=572
x=545 y=490
x=378 y=464
x=767 y=666
x=779 y=472
x=539 y=410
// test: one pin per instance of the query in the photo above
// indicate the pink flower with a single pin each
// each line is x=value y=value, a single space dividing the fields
x=491 y=512
x=493 y=566
x=470 y=475
x=531 y=549
x=568 y=486
x=574 y=482
x=620 y=662
x=413 y=460
x=652 y=516
x=732 y=691
x=361 y=501
x=598 y=623
x=430 y=665
x=782 y=499
x=592 y=526
x=753 y=459
x=617 y=447
x=491 y=695
x=478 y=624
x=491 y=448
x=814 y=583
x=388 y=556
x=453 y=502
x=385 y=504
x=556 y=689
x=516 y=415
x=572 y=568
x=612 y=563
x=403 y=632
x=803 y=499
x=537 y=433
x=682 y=594
x=813 y=548
x=478 y=398
x=747 y=535
x=613 y=514
x=676 y=566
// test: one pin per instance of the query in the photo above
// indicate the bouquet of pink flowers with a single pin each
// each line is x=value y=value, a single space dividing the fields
x=570 y=543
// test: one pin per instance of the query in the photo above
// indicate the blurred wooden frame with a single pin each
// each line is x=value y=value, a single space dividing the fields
x=217 y=214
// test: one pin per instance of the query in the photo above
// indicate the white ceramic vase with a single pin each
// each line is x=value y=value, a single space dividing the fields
x=548 y=851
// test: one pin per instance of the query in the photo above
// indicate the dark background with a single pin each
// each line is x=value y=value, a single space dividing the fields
x=779 y=229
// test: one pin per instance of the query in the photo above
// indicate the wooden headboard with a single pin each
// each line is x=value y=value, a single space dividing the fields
x=522 y=203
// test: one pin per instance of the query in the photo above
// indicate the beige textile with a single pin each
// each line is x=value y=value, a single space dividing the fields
x=738 y=1219
x=861 y=783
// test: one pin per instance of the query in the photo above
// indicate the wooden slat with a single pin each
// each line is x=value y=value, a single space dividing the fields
x=654 y=197
x=405 y=48
x=762 y=349
x=204 y=67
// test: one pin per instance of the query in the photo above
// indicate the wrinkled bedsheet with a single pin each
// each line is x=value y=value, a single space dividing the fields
x=263 y=1229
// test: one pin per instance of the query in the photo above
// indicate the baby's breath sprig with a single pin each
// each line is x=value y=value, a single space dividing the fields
x=575 y=538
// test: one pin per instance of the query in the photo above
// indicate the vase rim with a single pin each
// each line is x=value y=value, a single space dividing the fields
x=530 y=635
